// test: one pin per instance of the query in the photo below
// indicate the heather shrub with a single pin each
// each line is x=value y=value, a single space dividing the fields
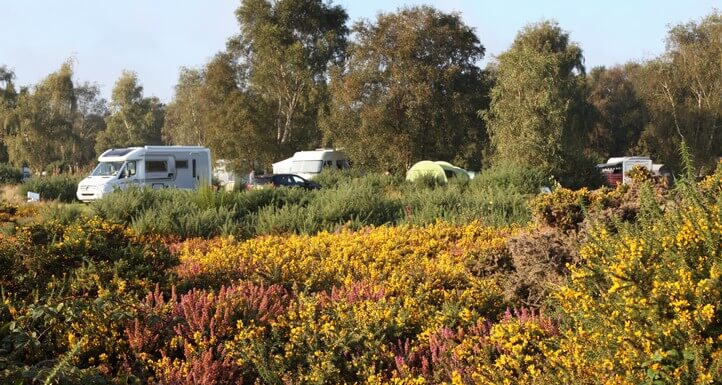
x=57 y=187
x=174 y=336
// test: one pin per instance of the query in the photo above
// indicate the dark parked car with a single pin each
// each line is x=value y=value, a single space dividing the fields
x=281 y=180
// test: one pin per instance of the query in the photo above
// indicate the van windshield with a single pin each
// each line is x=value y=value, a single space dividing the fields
x=107 y=169
x=307 y=166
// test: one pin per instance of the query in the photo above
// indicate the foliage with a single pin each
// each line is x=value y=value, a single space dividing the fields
x=682 y=90
x=644 y=302
x=538 y=109
x=541 y=258
x=134 y=120
x=409 y=90
x=56 y=121
x=620 y=112
x=284 y=47
x=10 y=174
x=56 y=187
x=512 y=177
x=353 y=202
x=600 y=296
x=68 y=291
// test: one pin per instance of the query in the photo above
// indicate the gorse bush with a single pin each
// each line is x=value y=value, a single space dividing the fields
x=645 y=302
x=57 y=187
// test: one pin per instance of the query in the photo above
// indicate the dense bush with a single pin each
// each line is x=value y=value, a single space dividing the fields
x=68 y=291
x=10 y=174
x=351 y=202
x=607 y=286
x=513 y=178
x=59 y=187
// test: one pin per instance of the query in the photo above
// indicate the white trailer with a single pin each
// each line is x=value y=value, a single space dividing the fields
x=186 y=167
x=308 y=164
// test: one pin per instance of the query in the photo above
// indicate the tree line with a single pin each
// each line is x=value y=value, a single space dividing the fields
x=404 y=87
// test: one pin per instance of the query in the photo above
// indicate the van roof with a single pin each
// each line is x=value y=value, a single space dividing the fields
x=120 y=154
x=317 y=154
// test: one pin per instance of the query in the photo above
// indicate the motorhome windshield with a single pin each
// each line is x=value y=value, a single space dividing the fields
x=309 y=166
x=107 y=169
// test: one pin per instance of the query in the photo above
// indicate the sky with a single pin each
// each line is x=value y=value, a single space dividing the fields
x=155 y=38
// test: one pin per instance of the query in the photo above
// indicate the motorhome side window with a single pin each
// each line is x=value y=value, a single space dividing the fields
x=156 y=166
x=181 y=163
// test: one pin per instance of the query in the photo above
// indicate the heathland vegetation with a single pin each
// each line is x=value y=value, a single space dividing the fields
x=373 y=279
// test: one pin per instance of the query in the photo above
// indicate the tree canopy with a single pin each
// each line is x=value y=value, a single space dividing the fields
x=538 y=111
x=134 y=120
x=400 y=88
x=409 y=90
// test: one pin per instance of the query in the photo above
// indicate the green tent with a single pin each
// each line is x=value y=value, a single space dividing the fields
x=442 y=171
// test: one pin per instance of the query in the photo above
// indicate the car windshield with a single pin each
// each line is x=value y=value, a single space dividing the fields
x=307 y=166
x=107 y=169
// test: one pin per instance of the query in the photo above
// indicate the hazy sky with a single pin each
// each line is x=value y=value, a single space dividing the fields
x=155 y=38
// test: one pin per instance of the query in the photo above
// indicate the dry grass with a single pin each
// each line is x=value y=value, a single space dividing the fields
x=12 y=193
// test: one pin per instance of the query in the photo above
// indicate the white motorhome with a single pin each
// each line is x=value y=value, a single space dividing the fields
x=308 y=164
x=184 y=167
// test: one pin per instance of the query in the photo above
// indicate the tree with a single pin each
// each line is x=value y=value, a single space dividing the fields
x=683 y=90
x=89 y=122
x=134 y=120
x=409 y=90
x=214 y=107
x=8 y=99
x=237 y=120
x=184 y=115
x=620 y=113
x=45 y=117
x=537 y=115
x=284 y=47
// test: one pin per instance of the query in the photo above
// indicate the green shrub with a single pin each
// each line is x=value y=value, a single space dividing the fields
x=59 y=187
x=186 y=220
x=62 y=213
x=10 y=174
x=352 y=202
x=333 y=178
x=511 y=177
x=123 y=206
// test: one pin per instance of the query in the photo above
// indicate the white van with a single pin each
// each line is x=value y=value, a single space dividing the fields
x=308 y=164
x=184 y=167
